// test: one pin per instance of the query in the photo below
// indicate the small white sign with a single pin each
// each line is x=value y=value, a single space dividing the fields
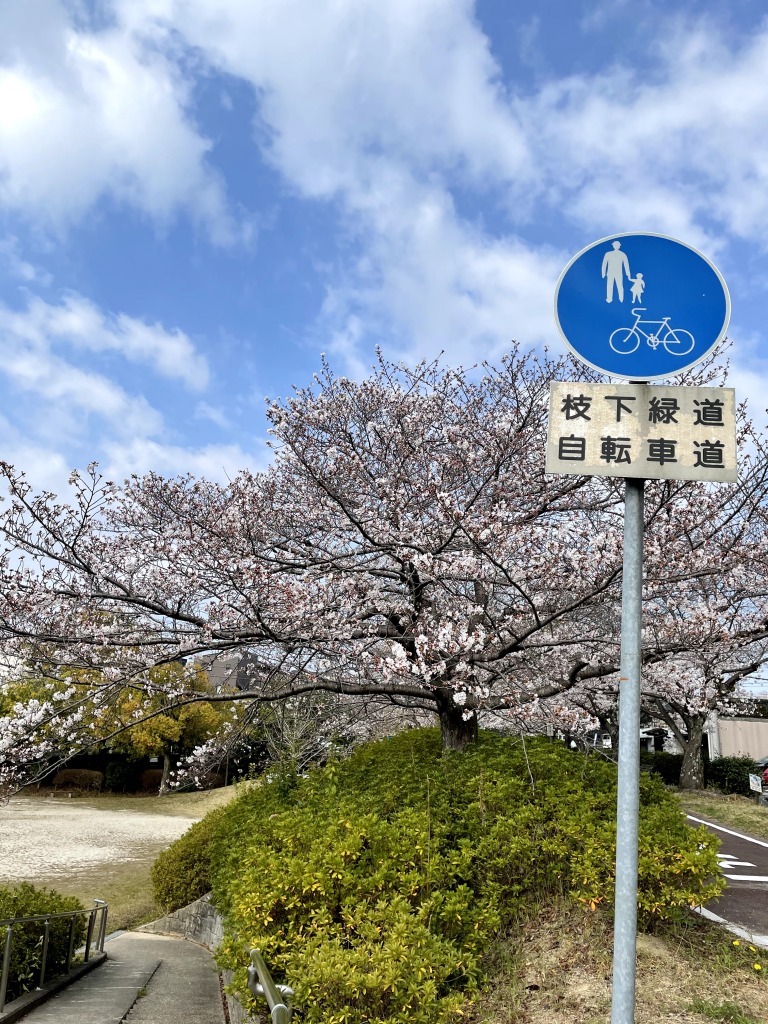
x=642 y=430
x=755 y=783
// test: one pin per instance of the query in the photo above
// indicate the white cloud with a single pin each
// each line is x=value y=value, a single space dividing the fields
x=599 y=12
x=748 y=373
x=55 y=393
x=78 y=323
x=340 y=81
x=341 y=85
x=440 y=283
x=214 y=462
x=204 y=411
x=683 y=152
x=45 y=468
x=49 y=469
x=88 y=114
x=62 y=414
x=17 y=266
x=66 y=397
x=394 y=108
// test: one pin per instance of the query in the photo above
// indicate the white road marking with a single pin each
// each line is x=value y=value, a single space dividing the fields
x=748 y=878
x=755 y=939
x=739 y=835
x=728 y=863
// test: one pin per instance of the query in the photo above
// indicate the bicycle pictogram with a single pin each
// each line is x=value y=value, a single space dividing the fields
x=675 y=340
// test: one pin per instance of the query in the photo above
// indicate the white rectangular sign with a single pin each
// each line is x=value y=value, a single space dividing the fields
x=642 y=430
x=755 y=783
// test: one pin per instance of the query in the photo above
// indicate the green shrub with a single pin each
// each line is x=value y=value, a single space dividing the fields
x=371 y=917
x=374 y=886
x=25 y=900
x=121 y=776
x=666 y=765
x=78 y=778
x=182 y=873
x=731 y=774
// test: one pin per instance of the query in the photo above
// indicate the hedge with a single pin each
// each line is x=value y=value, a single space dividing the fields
x=375 y=885
x=731 y=774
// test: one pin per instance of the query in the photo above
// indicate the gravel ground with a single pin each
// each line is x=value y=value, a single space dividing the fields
x=52 y=838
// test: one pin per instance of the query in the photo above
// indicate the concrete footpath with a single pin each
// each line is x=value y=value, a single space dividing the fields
x=147 y=979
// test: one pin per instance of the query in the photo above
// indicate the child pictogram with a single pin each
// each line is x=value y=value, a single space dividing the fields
x=638 y=287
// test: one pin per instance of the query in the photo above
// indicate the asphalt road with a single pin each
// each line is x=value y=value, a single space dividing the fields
x=744 y=860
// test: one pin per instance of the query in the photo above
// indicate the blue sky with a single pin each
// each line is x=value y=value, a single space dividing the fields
x=199 y=197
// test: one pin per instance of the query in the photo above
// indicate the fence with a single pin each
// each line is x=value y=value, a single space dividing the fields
x=277 y=996
x=17 y=926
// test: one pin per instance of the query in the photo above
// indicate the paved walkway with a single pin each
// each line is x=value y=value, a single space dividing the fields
x=147 y=979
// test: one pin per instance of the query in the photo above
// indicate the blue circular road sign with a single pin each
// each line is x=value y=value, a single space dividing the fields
x=641 y=306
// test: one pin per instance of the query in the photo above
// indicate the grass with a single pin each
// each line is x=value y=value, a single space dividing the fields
x=195 y=804
x=558 y=970
x=126 y=886
x=737 y=812
x=727 y=1013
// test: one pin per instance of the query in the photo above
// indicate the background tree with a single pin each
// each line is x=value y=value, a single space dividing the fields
x=705 y=630
x=176 y=730
x=79 y=712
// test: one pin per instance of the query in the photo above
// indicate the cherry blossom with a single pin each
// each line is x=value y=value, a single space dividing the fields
x=405 y=544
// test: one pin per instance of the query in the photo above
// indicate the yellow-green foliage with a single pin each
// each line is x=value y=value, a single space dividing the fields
x=374 y=885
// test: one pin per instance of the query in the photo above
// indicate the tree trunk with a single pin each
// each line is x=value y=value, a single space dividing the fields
x=692 y=771
x=166 y=776
x=457 y=731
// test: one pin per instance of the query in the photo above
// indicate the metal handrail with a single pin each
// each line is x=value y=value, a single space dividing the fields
x=277 y=996
x=9 y=923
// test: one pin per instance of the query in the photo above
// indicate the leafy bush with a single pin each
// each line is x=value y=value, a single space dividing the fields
x=666 y=765
x=731 y=774
x=182 y=873
x=374 y=885
x=25 y=900
x=120 y=776
x=79 y=778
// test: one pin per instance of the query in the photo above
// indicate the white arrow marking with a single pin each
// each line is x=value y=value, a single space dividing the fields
x=731 y=862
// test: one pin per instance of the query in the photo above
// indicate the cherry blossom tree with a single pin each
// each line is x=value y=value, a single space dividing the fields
x=404 y=544
x=76 y=711
x=719 y=625
x=705 y=615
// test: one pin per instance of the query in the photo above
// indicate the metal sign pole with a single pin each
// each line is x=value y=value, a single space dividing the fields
x=676 y=312
x=628 y=802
